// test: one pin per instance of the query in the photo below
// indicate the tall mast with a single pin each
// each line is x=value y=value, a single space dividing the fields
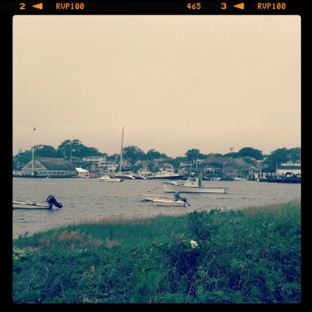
x=122 y=137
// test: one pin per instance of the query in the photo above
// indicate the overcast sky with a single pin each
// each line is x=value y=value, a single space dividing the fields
x=174 y=82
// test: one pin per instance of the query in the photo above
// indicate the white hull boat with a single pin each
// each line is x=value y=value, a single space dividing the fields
x=240 y=179
x=147 y=197
x=165 y=201
x=169 y=202
x=107 y=178
x=192 y=185
x=166 y=175
x=166 y=172
x=51 y=201
x=30 y=205
x=123 y=176
x=139 y=177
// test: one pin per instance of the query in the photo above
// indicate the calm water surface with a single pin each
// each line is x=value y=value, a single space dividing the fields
x=90 y=199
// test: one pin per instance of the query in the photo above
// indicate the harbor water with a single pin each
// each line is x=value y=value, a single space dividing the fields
x=89 y=199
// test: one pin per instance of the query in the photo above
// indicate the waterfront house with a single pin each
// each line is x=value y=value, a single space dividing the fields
x=294 y=168
x=235 y=167
x=82 y=173
x=46 y=167
x=217 y=167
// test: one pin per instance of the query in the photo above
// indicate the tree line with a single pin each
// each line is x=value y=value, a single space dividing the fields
x=73 y=149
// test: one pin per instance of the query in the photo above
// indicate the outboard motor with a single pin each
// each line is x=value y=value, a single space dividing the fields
x=178 y=197
x=52 y=201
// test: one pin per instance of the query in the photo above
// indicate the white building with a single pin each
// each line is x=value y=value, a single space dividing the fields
x=294 y=168
x=82 y=173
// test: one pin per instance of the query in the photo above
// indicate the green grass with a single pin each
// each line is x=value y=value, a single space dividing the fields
x=251 y=255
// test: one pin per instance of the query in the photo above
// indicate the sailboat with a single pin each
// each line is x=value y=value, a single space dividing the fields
x=120 y=174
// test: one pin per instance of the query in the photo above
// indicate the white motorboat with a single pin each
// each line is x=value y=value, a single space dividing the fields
x=157 y=200
x=145 y=173
x=137 y=176
x=166 y=175
x=147 y=197
x=106 y=178
x=169 y=202
x=166 y=172
x=239 y=179
x=123 y=176
x=51 y=201
x=192 y=185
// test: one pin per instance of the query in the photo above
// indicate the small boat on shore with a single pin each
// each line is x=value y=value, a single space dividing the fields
x=51 y=201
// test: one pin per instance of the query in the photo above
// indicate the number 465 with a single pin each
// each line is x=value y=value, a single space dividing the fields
x=194 y=6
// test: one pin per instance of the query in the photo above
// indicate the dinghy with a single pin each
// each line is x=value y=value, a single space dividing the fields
x=51 y=201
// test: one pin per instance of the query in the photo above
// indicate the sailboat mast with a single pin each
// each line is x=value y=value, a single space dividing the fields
x=122 y=138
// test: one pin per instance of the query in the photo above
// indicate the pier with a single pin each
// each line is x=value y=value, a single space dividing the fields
x=289 y=177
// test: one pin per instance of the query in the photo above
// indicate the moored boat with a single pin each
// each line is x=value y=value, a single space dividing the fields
x=147 y=197
x=166 y=175
x=145 y=173
x=123 y=176
x=106 y=178
x=166 y=172
x=51 y=201
x=193 y=184
x=169 y=203
x=157 y=200
x=138 y=176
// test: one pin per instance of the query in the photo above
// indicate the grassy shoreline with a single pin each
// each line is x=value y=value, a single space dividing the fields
x=252 y=255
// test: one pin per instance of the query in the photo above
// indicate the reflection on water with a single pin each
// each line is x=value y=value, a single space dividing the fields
x=89 y=199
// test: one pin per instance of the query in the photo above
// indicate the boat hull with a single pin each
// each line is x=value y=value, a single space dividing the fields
x=123 y=176
x=110 y=180
x=173 y=188
x=28 y=205
x=106 y=178
x=51 y=201
x=168 y=203
x=146 y=197
x=172 y=177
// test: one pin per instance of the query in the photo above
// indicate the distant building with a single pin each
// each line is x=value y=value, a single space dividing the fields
x=284 y=168
x=235 y=167
x=82 y=173
x=99 y=161
x=217 y=167
x=43 y=167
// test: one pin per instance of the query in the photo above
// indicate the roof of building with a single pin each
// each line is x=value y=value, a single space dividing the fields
x=56 y=163
x=218 y=160
x=241 y=162
x=78 y=169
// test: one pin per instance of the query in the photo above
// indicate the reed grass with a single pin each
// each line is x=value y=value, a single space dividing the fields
x=252 y=255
